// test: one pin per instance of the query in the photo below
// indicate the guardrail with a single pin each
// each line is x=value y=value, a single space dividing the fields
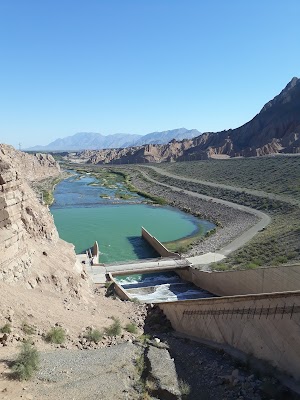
x=140 y=261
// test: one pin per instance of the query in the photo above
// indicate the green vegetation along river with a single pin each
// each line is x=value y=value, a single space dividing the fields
x=86 y=209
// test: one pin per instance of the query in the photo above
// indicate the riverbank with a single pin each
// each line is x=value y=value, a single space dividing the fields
x=230 y=222
x=45 y=189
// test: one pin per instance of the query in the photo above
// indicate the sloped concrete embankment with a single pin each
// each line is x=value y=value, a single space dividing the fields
x=243 y=282
x=265 y=326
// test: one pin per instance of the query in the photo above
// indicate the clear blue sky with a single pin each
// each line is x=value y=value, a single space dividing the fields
x=138 y=66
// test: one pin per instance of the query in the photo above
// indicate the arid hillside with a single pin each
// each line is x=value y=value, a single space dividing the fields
x=276 y=129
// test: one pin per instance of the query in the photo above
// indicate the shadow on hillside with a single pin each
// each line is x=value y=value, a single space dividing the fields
x=204 y=371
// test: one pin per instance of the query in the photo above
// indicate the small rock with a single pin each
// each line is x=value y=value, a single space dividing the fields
x=235 y=382
x=235 y=373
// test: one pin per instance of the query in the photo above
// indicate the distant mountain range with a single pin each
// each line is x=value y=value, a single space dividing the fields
x=91 y=140
x=275 y=129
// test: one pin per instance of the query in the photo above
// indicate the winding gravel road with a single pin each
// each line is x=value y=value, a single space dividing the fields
x=240 y=241
x=258 y=193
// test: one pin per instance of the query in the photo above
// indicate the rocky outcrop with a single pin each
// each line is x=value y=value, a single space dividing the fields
x=31 y=251
x=276 y=129
x=32 y=167
x=161 y=372
x=150 y=153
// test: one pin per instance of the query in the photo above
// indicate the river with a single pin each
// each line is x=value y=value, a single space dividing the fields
x=88 y=209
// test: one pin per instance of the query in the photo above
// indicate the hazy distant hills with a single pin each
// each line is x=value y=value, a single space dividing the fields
x=275 y=129
x=91 y=140
x=167 y=136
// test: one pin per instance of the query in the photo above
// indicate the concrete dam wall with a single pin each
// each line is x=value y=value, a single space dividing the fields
x=157 y=245
x=266 y=326
x=260 y=280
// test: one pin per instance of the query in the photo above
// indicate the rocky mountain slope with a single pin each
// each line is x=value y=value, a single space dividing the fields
x=31 y=252
x=91 y=140
x=276 y=129
x=41 y=283
x=167 y=136
x=147 y=153
x=28 y=237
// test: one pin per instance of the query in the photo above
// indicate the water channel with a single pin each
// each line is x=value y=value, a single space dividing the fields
x=160 y=287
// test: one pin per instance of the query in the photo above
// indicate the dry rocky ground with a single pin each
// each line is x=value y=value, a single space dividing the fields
x=129 y=367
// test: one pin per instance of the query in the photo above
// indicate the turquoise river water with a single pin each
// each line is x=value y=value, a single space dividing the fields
x=86 y=210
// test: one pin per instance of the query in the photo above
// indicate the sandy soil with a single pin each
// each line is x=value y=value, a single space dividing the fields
x=43 y=309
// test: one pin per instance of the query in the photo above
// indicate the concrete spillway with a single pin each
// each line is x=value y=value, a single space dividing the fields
x=159 y=287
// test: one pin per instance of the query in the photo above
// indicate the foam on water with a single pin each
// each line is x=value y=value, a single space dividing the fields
x=142 y=280
x=160 y=287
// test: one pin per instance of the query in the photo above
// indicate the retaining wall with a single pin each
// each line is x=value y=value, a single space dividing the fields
x=95 y=250
x=157 y=245
x=265 y=326
x=260 y=280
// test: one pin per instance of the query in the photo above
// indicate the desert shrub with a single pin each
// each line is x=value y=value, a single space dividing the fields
x=220 y=267
x=56 y=335
x=251 y=265
x=184 y=388
x=131 y=328
x=6 y=328
x=144 y=338
x=140 y=364
x=150 y=385
x=135 y=300
x=279 y=260
x=114 y=329
x=28 y=329
x=27 y=362
x=182 y=249
x=93 y=335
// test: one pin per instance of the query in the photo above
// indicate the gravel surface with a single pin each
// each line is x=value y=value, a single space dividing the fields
x=108 y=373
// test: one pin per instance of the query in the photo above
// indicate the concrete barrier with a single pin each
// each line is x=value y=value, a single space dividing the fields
x=95 y=250
x=260 y=280
x=157 y=245
x=118 y=288
x=264 y=326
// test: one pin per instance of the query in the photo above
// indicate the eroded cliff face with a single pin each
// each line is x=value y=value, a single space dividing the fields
x=276 y=129
x=31 y=252
x=150 y=153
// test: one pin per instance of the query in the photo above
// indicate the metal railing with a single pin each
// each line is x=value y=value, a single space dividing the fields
x=146 y=260
x=246 y=312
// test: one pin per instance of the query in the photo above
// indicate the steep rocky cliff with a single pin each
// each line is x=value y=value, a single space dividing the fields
x=276 y=129
x=31 y=252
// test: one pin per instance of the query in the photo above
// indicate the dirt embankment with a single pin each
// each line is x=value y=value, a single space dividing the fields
x=230 y=222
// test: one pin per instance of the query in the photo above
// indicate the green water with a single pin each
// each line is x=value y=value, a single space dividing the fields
x=82 y=216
